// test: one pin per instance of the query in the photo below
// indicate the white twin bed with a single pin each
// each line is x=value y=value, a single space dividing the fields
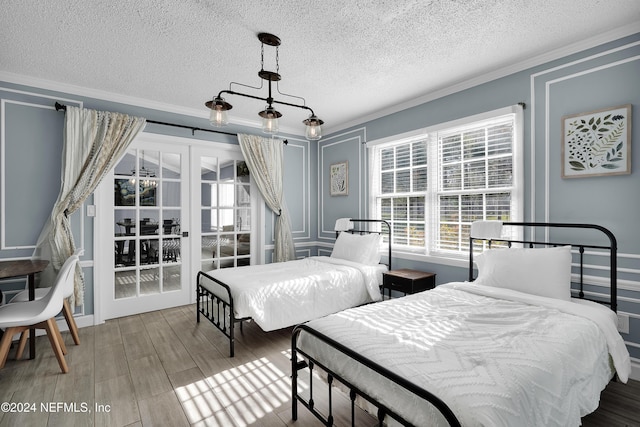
x=280 y=295
x=511 y=349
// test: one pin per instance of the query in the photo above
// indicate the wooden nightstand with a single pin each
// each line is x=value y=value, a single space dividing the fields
x=407 y=281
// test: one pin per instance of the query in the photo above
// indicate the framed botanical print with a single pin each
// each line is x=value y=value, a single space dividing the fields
x=339 y=179
x=597 y=143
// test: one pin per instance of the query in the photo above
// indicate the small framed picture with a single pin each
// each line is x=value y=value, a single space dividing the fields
x=597 y=143
x=339 y=179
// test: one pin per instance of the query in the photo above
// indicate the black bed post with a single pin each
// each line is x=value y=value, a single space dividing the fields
x=470 y=258
x=389 y=239
x=614 y=272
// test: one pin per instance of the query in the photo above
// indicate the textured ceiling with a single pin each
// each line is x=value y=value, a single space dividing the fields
x=348 y=59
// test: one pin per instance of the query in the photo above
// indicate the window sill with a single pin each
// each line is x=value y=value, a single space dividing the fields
x=432 y=259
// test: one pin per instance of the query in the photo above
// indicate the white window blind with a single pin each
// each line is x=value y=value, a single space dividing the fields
x=403 y=178
x=432 y=185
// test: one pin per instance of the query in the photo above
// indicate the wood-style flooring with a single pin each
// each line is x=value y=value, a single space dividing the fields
x=163 y=369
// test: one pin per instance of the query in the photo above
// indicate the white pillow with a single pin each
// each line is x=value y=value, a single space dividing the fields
x=544 y=272
x=360 y=248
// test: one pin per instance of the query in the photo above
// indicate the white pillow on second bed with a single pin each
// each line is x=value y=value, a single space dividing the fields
x=360 y=248
x=544 y=272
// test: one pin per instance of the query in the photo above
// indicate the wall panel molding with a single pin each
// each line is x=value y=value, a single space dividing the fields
x=15 y=211
x=600 y=79
x=345 y=144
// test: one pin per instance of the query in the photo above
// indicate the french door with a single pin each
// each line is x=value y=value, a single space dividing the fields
x=169 y=208
x=226 y=221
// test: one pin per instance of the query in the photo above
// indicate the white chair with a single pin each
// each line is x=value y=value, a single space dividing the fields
x=66 y=309
x=19 y=317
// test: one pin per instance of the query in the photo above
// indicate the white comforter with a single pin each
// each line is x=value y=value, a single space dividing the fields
x=499 y=359
x=284 y=294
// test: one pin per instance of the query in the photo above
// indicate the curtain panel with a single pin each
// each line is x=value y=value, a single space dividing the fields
x=265 y=161
x=93 y=142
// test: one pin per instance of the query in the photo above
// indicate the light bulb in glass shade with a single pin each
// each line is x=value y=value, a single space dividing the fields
x=269 y=119
x=314 y=127
x=218 y=117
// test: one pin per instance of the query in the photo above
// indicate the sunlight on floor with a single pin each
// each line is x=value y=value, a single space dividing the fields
x=245 y=393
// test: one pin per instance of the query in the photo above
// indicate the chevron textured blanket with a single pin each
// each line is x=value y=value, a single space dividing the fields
x=500 y=359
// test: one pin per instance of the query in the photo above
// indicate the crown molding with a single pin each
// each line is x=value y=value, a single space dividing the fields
x=535 y=61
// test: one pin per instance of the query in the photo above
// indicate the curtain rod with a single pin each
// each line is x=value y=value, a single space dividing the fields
x=62 y=107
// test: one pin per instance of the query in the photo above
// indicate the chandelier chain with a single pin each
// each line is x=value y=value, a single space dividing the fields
x=262 y=56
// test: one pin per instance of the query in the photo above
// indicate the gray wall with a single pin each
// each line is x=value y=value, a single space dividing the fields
x=605 y=76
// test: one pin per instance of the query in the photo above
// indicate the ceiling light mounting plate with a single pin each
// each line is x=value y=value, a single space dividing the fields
x=269 y=39
x=269 y=76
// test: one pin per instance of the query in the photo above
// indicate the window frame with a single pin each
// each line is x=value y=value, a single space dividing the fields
x=429 y=251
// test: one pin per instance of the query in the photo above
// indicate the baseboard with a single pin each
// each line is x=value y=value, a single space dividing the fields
x=635 y=369
x=81 y=321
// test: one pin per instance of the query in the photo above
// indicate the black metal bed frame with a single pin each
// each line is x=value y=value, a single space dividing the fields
x=219 y=309
x=613 y=248
x=306 y=360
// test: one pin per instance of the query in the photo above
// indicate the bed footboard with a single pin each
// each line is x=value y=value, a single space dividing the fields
x=306 y=360
x=217 y=308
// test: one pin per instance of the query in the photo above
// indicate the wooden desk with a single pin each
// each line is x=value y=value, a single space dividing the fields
x=28 y=268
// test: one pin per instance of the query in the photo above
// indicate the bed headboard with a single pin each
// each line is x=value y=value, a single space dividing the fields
x=580 y=247
x=362 y=227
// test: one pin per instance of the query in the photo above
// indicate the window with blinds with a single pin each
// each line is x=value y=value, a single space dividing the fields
x=432 y=186
x=401 y=200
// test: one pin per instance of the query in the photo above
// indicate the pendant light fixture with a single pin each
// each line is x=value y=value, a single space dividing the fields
x=219 y=107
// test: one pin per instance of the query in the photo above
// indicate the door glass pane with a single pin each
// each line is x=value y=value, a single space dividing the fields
x=171 y=165
x=207 y=222
x=209 y=247
x=208 y=195
x=227 y=245
x=147 y=178
x=227 y=171
x=124 y=222
x=242 y=172
x=124 y=192
x=170 y=222
x=225 y=219
x=125 y=284
x=127 y=165
x=148 y=192
x=148 y=223
x=244 y=244
x=226 y=196
x=243 y=220
x=171 y=278
x=208 y=265
x=209 y=169
x=149 y=281
x=171 y=251
x=125 y=252
x=243 y=197
x=170 y=193
x=149 y=251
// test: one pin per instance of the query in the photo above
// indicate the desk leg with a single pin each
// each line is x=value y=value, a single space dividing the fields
x=32 y=331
